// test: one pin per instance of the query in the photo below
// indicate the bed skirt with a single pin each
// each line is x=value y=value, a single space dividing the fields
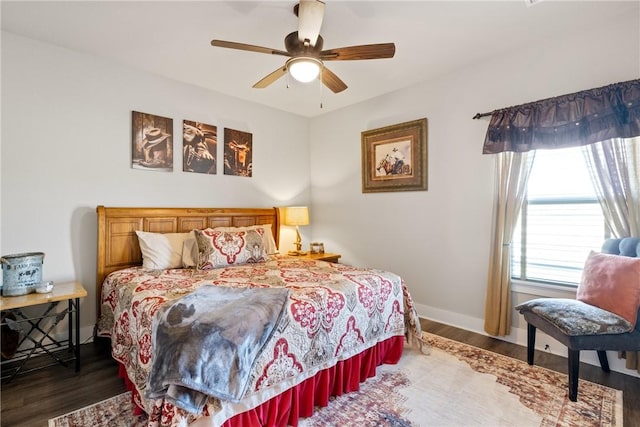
x=299 y=401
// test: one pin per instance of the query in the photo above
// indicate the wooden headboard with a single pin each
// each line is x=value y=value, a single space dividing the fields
x=118 y=246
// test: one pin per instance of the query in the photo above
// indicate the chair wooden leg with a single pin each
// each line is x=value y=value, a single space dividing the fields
x=531 y=342
x=574 y=371
x=602 y=356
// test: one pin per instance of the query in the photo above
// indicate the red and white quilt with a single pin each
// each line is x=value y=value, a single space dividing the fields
x=334 y=312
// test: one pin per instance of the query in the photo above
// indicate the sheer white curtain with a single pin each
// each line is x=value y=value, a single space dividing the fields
x=512 y=174
x=615 y=171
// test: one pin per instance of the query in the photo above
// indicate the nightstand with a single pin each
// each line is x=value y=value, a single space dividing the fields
x=329 y=257
x=39 y=330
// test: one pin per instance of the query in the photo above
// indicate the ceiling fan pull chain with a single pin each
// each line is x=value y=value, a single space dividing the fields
x=320 y=80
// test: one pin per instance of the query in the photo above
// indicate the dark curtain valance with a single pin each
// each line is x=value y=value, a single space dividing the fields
x=580 y=118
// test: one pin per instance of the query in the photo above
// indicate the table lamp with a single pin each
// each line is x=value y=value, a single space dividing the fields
x=296 y=215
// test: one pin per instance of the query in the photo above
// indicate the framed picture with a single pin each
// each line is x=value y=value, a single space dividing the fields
x=394 y=158
x=238 y=153
x=199 y=147
x=152 y=142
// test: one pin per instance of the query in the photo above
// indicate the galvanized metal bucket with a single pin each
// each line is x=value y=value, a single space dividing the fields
x=21 y=273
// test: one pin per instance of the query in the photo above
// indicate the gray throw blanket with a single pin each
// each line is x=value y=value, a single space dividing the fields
x=205 y=344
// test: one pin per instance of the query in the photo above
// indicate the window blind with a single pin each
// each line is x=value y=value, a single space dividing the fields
x=561 y=220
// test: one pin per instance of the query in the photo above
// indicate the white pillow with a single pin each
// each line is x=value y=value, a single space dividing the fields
x=161 y=250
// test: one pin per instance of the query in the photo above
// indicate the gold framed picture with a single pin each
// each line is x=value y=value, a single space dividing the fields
x=394 y=158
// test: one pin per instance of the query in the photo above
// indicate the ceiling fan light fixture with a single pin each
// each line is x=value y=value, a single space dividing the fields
x=305 y=53
x=304 y=69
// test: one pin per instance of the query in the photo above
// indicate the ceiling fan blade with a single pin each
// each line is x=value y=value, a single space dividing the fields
x=367 y=51
x=249 y=47
x=310 y=15
x=332 y=81
x=270 y=78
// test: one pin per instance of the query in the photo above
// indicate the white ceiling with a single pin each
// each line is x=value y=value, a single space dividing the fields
x=172 y=39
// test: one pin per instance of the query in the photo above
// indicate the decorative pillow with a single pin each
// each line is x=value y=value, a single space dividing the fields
x=223 y=248
x=190 y=247
x=161 y=250
x=269 y=241
x=612 y=283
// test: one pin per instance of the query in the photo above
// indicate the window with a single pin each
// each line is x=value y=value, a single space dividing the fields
x=561 y=220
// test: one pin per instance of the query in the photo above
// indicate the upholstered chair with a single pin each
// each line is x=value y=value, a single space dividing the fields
x=604 y=315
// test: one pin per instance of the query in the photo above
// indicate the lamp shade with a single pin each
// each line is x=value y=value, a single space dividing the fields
x=304 y=69
x=296 y=215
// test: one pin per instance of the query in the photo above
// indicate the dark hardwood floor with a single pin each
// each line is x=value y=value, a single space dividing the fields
x=30 y=400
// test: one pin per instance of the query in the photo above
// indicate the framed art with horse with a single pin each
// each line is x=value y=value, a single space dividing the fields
x=394 y=158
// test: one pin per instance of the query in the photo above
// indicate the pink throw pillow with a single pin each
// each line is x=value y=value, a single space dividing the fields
x=612 y=283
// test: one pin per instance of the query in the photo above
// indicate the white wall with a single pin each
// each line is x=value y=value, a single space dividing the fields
x=438 y=240
x=66 y=148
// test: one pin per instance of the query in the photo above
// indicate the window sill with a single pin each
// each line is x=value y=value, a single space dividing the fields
x=548 y=290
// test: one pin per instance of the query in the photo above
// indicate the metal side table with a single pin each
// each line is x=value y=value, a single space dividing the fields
x=38 y=328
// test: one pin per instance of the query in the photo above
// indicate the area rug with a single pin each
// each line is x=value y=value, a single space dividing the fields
x=455 y=385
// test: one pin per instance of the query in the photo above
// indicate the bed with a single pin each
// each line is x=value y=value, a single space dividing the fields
x=322 y=328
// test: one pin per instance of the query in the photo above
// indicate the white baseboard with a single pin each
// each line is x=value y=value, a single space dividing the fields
x=519 y=336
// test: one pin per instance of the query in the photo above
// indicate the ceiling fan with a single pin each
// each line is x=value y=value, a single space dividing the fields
x=304 y=49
